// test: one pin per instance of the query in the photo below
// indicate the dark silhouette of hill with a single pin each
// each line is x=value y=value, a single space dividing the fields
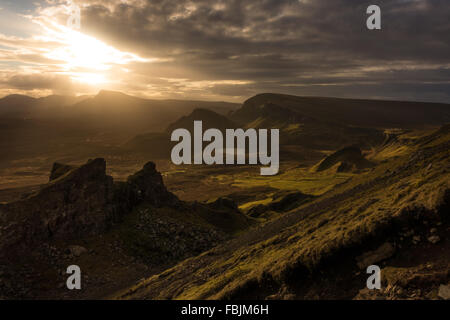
x=15 y=105
x=355 y=112
x=210 y=119
x=302 y=126
x=296 y=129
x=141 y=115
x=269 y=113
x=61 y=125
x=22 y=106
x=158 y=144
x=106 y=109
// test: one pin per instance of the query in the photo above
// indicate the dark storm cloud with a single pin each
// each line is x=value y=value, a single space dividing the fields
x=317 y=47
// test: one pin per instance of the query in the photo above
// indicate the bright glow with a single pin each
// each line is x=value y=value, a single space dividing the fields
x=83 y=57
x=89 y=78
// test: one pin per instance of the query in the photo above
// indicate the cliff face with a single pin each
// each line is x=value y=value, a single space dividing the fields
x=82 y=201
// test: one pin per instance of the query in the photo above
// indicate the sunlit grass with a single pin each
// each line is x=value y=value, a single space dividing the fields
x=296 y=179
x=251 y=204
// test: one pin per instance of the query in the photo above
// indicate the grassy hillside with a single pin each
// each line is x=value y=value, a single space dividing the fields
x=312 y=251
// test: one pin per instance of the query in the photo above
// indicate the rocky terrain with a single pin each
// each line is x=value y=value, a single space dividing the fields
x=139 y=223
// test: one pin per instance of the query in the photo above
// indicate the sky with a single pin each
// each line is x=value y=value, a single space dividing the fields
x=226 y=50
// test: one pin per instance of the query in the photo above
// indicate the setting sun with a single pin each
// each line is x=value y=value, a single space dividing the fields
x=84 y=58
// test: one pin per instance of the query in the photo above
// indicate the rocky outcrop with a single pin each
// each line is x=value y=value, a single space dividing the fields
x=58 y=170
x=78 y=202
x=147 y=185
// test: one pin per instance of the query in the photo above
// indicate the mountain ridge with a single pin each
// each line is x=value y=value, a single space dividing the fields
x=358 y=112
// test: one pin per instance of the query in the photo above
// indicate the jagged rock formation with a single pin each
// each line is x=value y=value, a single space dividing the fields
x=145 y=185
x=78 y=202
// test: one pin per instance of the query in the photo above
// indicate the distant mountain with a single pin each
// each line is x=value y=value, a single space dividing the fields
x=58 y=100
x=108 y=108
x=354 y=112
x=68 y=123
x=141 y=114
x=302 y=126
x=210 y=119
x=15 y=100
x=21 y=106
x=307 y=124
x=158 y=144
x=16 y=105
x=298 y=133
x=333 y=123
x=267 y=115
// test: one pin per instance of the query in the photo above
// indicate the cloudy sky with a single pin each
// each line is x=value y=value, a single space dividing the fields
x=227 y=49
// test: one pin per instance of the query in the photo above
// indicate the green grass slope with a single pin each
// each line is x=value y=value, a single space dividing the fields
x=290 y=257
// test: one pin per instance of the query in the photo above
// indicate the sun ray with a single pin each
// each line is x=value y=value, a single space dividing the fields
x=83 y=57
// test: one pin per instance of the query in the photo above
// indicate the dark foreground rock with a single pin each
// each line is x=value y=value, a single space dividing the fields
x=117 y=232
x=78 y=202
